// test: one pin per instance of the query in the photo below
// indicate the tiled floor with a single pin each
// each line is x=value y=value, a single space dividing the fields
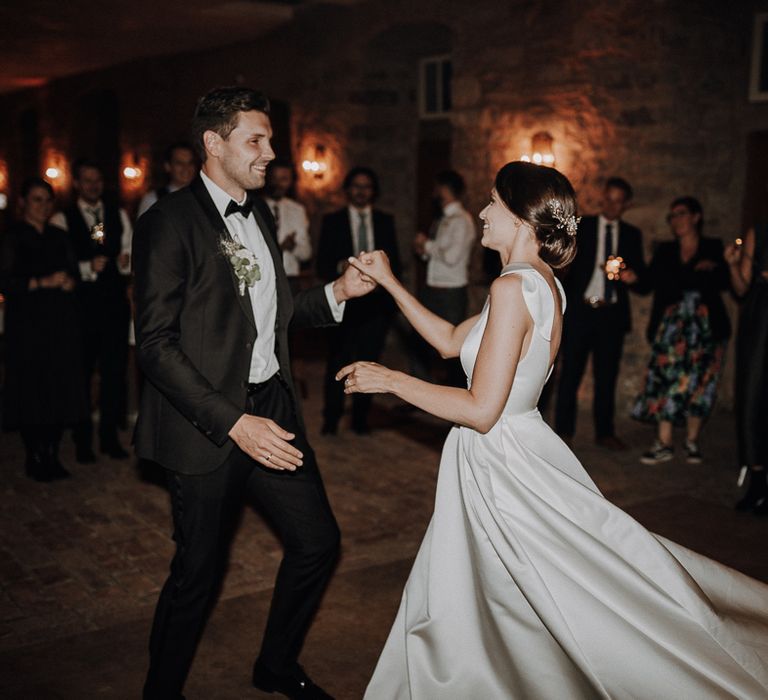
x=81 y=561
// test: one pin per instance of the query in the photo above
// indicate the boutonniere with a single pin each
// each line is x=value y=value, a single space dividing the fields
x=244 y=263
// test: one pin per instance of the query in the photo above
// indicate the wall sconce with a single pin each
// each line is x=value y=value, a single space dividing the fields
x=56 y=169
x=317 y=165
x=132 y=174
x=542 y=150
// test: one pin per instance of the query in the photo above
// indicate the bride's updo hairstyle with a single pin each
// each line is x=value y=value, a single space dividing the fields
x=543 y=198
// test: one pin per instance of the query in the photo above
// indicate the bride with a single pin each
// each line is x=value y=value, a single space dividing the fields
x=529 y=584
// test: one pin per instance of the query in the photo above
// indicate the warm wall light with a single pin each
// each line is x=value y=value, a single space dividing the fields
x=542 y=150
x=133 y=166
x=56 y=170
x=131 y=173
x=316 y=165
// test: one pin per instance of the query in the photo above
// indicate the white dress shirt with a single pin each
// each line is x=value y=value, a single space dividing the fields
x=596 y=287
x=149 y=199
x=450 y=251
x=354 y=225
x=292 y=218
x=86 y=272
x=263 y=293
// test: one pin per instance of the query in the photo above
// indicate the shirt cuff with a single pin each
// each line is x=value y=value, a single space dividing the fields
x=337 y=309
x=86 y=271
x=428 y=246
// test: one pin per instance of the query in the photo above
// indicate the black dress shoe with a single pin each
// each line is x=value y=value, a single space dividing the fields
x=37 y=469
x=295 y=685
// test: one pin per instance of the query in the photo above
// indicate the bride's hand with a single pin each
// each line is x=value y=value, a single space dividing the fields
x=366 y=378
x=375 y=265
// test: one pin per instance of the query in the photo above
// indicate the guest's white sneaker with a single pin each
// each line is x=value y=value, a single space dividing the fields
x=692 y=454
x=658 y=453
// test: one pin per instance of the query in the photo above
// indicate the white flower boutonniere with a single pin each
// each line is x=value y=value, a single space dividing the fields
x=243 y=261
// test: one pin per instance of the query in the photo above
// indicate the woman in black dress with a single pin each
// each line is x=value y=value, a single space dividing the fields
x=44 y=390
x=748 y=265
x=688 y=332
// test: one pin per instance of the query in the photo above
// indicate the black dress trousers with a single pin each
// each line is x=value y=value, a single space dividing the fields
x=205 y=512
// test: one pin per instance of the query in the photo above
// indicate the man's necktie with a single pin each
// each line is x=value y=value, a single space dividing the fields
x=609 y=292
x=233 y=208
x=362 y=234
x=276 y=214
x=95 y=212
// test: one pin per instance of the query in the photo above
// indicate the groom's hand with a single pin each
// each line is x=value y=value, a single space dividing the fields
x=351 y=284
x=265 y=441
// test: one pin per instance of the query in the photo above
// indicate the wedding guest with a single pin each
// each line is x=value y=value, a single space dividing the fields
x=598 y=314
x=44 y=390
x=290 y=220
x=101 y=235
x=748 y=266
x=180 y=165
x=688 y=332
x=447 y=251
x=362 y=334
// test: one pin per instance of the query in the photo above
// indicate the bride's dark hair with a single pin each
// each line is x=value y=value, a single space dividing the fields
x=543 y=198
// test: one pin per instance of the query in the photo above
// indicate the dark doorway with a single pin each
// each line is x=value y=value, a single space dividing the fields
x=280 y=117
x=755 y=206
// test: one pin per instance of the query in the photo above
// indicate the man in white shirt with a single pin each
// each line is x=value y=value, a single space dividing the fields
x=219 y=410
x=101 y=236
x=180 y=165
x=290 y=219
x=447 y=251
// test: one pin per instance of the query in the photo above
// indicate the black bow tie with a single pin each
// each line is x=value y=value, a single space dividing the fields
x=233 y=207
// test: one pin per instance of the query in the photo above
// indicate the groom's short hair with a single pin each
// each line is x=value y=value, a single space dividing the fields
x=219 y=110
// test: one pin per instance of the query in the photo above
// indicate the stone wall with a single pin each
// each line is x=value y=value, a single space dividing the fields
x=655 y=91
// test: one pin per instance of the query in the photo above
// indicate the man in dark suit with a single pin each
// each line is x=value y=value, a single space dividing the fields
x=598 y=314
x=219 y=411
x=101 y=236
x=361 y=336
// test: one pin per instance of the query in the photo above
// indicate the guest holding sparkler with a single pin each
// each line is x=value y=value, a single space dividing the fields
x=609 y=262
x=688 y=332
x=748 y=265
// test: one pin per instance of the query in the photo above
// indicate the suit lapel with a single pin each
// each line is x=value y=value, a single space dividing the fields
x=219 y=229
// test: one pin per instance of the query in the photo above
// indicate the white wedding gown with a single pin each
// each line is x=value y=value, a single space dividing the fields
x=530 y=584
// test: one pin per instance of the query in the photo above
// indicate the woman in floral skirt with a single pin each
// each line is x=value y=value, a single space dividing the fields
x=688 y=332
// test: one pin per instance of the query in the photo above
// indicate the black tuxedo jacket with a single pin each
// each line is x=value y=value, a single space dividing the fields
x=335 y=246
x=579 y=273
x=195 y=332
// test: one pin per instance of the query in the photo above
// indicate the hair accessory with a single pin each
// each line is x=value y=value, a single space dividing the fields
x=569 y=223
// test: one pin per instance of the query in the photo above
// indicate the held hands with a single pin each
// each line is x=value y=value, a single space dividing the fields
x=57 y=280
x=705 y=266
x=352 y=283
x=266 y=442
x=366 y=378
x=374 y=265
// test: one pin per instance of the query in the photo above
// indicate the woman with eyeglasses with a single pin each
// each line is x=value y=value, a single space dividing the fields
x=688 y=332
x=748 y=265
x=44 y=388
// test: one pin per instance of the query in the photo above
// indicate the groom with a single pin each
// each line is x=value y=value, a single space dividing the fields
x=219 y=411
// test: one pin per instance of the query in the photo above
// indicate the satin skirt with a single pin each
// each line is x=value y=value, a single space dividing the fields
x=530 y=584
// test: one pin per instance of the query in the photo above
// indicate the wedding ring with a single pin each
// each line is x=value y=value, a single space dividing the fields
x=346 y=382
x=268 y=457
